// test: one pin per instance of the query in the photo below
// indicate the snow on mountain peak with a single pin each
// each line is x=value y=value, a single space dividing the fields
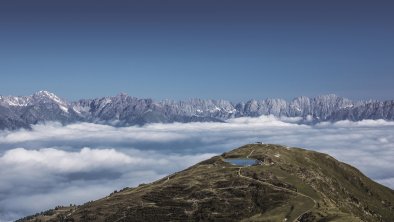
x=44 y=93
x=44 y=105
x=48 y=95
x=44 y=96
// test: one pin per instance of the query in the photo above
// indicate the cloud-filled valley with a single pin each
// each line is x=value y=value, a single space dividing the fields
x=54 y=164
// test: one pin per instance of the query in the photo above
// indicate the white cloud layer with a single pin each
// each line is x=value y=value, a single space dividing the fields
x=58 y=165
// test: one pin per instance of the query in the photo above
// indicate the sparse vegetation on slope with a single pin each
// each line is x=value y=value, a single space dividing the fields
x=288 y=184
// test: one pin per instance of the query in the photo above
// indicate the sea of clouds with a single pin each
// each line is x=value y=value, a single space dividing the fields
x=54 y=165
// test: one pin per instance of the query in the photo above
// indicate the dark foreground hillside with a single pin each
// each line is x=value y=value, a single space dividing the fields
x=285 y=184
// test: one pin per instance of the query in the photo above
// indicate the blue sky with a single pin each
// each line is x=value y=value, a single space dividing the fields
x=233 y=50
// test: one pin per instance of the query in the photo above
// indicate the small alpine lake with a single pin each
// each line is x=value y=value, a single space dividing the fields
x=242 y=161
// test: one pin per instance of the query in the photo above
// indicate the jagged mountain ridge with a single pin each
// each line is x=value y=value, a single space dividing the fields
x=124 y=110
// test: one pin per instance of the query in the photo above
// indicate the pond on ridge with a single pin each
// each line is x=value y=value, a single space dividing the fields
x=242 y=161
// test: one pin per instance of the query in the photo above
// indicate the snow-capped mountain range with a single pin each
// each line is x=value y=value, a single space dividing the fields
x=123 y=110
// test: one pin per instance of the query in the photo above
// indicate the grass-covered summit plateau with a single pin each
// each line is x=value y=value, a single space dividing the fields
x=285 y=184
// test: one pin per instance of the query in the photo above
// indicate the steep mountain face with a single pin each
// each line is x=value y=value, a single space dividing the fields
x=282 y=184
x=373 y=110
x=40 y=107
x=10 y=120
x=124 y=110
x=319 y=108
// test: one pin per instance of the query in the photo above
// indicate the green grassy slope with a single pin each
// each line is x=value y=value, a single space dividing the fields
x=289 y=184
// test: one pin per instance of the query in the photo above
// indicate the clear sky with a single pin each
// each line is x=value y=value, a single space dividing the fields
x=226 y=49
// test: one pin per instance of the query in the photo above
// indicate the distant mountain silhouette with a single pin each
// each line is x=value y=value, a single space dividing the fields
x=124 y=110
